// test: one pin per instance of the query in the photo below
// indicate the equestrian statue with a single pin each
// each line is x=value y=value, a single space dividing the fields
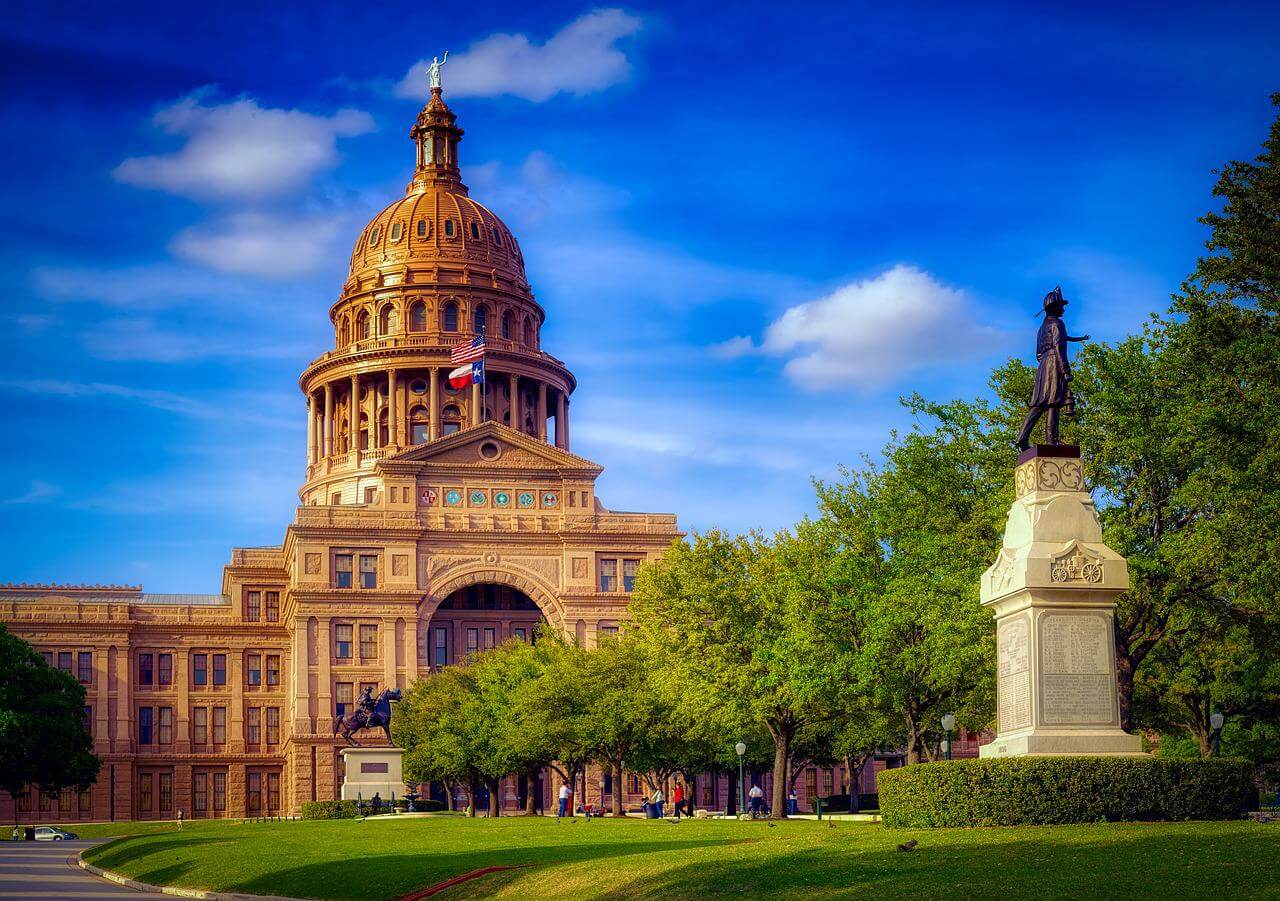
x=369 y=713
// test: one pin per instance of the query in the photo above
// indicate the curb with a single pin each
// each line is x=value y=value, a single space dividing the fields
x=169 y=889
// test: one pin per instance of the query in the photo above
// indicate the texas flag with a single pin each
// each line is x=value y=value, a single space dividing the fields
x=464 y=375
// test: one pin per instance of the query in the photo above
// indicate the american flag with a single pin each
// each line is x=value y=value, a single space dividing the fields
x=468 y=351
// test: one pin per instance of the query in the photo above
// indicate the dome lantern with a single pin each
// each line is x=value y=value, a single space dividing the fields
x=436 y=136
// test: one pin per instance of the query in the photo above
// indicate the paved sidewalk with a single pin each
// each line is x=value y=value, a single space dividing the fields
x=48 y=870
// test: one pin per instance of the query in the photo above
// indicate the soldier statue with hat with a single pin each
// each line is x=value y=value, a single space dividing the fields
x=1052 y=390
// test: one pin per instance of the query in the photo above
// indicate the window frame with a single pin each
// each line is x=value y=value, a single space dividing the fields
x=339 y=642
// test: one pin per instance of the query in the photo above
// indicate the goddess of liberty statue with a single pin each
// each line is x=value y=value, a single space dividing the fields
x=433 y=70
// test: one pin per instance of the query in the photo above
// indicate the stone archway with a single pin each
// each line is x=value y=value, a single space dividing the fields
x=493 y=574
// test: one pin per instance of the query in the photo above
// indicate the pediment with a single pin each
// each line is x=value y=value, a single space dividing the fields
x=491 y=445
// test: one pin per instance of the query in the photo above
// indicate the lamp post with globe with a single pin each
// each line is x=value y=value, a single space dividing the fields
x=948 y=724
x=741 y=748
x=1215 y=737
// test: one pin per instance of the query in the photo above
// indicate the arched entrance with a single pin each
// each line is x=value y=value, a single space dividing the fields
x=476 y=618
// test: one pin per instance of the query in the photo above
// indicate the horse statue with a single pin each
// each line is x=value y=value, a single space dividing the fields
x=370 y=713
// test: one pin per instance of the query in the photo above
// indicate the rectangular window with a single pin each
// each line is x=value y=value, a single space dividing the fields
x=440 y=656
x=253 y=672
x=165 y=717
x=144 y=725
x=811 y=784
x=273 y=606
x=368 y=642
x=166 y=791
x=629 y=568
x=200 y=791
x=490 y=636
x=252 y=606
x=164 y=669
x=84 y=666
x=200 y=725
x=273 y=792
x=473 y=640
x=144 y=792
x=64 y=661
x=48 y=657
x=86 y=802
x=368 y=571
x=145 y=674
x=273 y=725
x=253 y=794
x=609 y=574
x=200 y=669
x=219 y=669
x=253 y=725
x=342 y=640
x=520 y=634
x=88 y=719
x=609 y=631
x=24 y=801
x=342 y=697
x=370 y=495
x=421 y=432
x=273 y=669
x=219 y=792
x=64 y=802
x=342 y=570
x=219 y=725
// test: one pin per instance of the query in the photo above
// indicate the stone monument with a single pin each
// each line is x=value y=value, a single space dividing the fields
x=370 y=771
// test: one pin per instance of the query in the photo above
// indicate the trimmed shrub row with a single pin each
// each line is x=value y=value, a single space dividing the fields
x=329 y=810
x=1026 y=791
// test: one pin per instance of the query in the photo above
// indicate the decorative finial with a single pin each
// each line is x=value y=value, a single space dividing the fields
x=433 y=71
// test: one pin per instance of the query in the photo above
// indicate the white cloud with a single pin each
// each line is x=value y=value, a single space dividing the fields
x=148 y=287
x=580 y=58
x=37 y=491
x=738 y=346
x=261 y=245
x=160 y=400
x=240 y=150
x=144 y=340
x=869 y=332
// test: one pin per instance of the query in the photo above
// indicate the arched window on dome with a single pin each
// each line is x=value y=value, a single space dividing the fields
x=450 y=419
x=449 y=316
x=362 y=325
x=422 y=228
x=448 y=228
x=396 y=229
x=497 y=238
x=480 y=319
x=506 y=324
x=373 y=235
x=475 y=231
x=528 y=332
x=384 y=431
x=344 y=332
x=388 y=320
x=419 y=424
x=364 y=431
x=418 y=317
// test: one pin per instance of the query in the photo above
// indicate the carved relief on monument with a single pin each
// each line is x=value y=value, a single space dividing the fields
x=1002 y=572
x=399 y=565
x=1076 y=565
x=1013 y=674
x=312 y=563
x=1049 y=474
x=1077 y=669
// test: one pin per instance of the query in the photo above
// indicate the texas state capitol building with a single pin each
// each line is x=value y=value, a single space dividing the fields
x=434 y=522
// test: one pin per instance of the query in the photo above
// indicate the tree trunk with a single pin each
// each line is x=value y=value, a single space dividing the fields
x=781 y=754
x=531 y=787
x=617 y=787
x=471 y=798
x=854 y=775
x=731 y=807
x=495 y=803
x=1124 y=687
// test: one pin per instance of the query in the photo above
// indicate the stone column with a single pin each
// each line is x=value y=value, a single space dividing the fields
x=235 y=715
x=182 y=716
x=324 y=677
x=375 y=416
x=299 y=660
x=562 y=409
x=393 y=410
x=328 y=419
x=410 y=649
x=1053 y=591
x=353 y=416
x=434 y=399
x=514 y=406
x=311 y=431
x=101 y=700
x=124 y=737
x=542 y=411
x=388 y=627
x=566 y=423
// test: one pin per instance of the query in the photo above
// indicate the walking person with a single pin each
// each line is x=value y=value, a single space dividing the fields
x=564 y=800
x=658 y=800
x=677 y=798
x=179 y=819
x=756 y=799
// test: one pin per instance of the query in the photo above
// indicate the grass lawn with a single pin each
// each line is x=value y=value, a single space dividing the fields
x=387 y=858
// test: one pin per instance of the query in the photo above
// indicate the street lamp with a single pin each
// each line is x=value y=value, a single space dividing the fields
x=948 y=724
x=741 y=748
x=1215 y=739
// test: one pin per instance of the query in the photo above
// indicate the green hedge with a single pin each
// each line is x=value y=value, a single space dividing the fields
x=427 y=805
x=1046 y=790
x=329 y=810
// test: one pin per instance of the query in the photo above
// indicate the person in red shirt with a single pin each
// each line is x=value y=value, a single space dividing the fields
x=678 y=797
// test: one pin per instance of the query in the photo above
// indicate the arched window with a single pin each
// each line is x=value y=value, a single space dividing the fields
x=448 y=228
x=528 y=331
x=449 y=317
x=384 y=431
x=450 y=419
x=418 y=317
x=475 y=232
x=373 y=235
x=419 y=425
x=344 y=331
x=364 y=431
x=480 y=319
x=497 y=238
x=506 y=323
x=388 y=320
x=395 y=232
x=422 y=228
x=362 y=325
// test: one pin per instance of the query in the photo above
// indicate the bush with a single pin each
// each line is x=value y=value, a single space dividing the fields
x=1047 y=790
x=840 y=803
x=329 y=810
x=427 y=805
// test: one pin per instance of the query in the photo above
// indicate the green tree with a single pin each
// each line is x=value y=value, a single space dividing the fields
x=440 y=724
x=43 y=741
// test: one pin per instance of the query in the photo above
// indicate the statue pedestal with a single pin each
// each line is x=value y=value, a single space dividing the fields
x=370 y=771
x=1053 y=591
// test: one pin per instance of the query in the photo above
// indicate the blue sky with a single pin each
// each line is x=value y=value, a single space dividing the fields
x=753 y=226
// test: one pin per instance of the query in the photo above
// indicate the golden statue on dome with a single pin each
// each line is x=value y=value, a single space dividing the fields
x=433 y=70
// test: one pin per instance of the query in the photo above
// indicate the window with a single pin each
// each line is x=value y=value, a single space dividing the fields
x=419 y=425
x=520 y=634
x=144 y=726
x=144 y=791
x=253 y=606
x=336 y=499
x=84 y=666
x=497 y=238
x=475 y=232
x=609 y=631
x=64 y=802
x=64 y=661
x=528 y=331
x=370 y=494
x=166 y=791
x=342 y=570
x=342 y=697
x=480 y=319
x=609 y=574
x=473 y=640
x=388 y=320
x=164 y=669
x=253 y=794
x=145 y=669
x=506 y=324
x=200 y=725
x=219 y=725
x=219 y=792
x=489 y=638
x=368 y=642
x=342 y=641
x=86 y=802
x=88 y=719
x=166 y=725
x=24 y=801
x=368 y=571
x=273 y=669
x=448 y=228
x=422 y=228
x=826 y=782
x=273 y=792
x=219 y=669
x=253 y=671
x=273 y=606
x=418 y=317
x=273 y=725
x=200 y=669
x=48 y=657
x=452 y=419
x=449 y=317
x=362 y=325
x=629 y=568
x=253 y=725
x=396 y=231
x=440 y=656
x=200 y=791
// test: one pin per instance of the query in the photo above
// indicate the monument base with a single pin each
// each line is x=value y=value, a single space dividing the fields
x=373 y=771
x=1063 y=743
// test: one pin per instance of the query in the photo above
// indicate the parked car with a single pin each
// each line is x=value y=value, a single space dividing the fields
x=54 y=834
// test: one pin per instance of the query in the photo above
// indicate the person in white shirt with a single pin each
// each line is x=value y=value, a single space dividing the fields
x=564 y=800
x=658 y=800
x=757 y=799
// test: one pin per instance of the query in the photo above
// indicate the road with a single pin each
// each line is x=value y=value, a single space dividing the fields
x=48 y=870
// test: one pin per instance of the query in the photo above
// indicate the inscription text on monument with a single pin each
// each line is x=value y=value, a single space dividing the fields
x=1077 y=669
x=1013 y=686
